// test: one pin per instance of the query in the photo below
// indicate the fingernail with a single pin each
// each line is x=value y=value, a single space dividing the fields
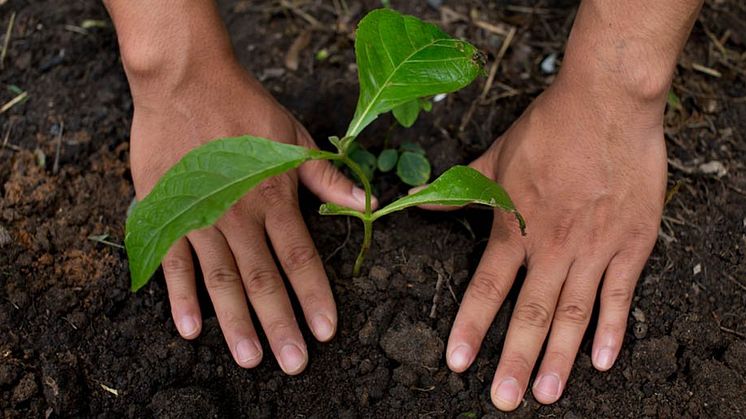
x=292 y=359
x=322 y=327
x=247 y=351
x=358 y=194
x=507 y=392
x=187 y=326
x=548 y=385
x=460 y=357
x=604 y=358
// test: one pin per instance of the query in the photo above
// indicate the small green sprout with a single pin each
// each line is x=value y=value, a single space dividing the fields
x=402 y=61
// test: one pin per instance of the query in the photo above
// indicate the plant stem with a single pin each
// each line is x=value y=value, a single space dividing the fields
x=367 y=217
x=364 y=180
x=367 y=239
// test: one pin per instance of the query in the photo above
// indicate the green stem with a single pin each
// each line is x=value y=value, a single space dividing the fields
x=367 y=239
x=367 y=217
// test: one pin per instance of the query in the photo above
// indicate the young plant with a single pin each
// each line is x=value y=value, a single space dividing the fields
x=401 y=60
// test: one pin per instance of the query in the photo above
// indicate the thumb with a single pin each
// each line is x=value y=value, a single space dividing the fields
x=328 y=183
x=484 y=164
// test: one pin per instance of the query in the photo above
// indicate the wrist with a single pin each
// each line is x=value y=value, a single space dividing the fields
x=638 y=82
x=627 y=50
x=165 y=44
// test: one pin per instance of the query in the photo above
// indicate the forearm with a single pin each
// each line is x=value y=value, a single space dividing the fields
x=165 y=42
x=628 y=48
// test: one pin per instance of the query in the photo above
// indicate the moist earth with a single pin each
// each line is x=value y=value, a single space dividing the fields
x=74 y=341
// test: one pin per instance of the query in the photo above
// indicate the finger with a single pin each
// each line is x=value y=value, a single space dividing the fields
x=484 y=296
x=263 y=285
x=178 y=269
x=616 y=296
x=528 y=329
x=226 y=292
x=302 y=265
x=328 y=183
x=570 y=322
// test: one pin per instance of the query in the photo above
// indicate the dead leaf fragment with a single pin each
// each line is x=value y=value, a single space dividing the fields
x=292 y=59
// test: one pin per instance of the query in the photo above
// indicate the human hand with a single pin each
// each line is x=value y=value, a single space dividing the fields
x=183 y=110
x=588 y=172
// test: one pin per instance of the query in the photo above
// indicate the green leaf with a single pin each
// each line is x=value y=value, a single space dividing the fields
x=458 y=186
x=400 y=58
x=413 y=168
x=673 y=100
x=197 y=190
x=406 y=113
x=387 y=159
x=426 y=105
x=365 y=159
x=331 y=208
x=413 y=147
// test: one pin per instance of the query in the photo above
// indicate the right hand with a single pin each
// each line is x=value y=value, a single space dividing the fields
x=184 y=110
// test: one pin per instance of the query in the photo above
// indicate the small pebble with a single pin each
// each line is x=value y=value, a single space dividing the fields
x=549 y=64
x=435 y=4
x=640 y=330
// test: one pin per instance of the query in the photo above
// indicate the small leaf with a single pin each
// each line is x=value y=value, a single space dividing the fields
x=331 y=208
x=426 y=105
x=412 y=147
x=387 y=159
x=458 y=186
x=197 y=190
x=413 y=168
x=673 y=101
x=365 y=159
x=401 y=58
x=406 y=114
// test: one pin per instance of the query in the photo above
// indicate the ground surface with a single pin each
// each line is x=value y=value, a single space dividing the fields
x=75 y=342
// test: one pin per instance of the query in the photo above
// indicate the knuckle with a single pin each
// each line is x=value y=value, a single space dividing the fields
x=235 y=215
x=619 y=295
x=174 y=264
x=282 y=329
x=642 y=235
x=559 y=357
x=559 y=233
x=276 y=191
x=516 y=364
x=299 y=257
x=262 y=282
x=533 y=314
x=573 y=313
x=314 y=299
x=484 y=287
x=222 y=277
x=330 y=176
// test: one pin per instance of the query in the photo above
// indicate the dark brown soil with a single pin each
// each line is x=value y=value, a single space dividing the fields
x=75 y=342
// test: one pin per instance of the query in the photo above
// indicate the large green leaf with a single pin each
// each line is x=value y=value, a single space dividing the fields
x=400 y=58
x=196 y=191
x=458 y=186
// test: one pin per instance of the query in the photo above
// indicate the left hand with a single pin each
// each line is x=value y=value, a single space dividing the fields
x=588 y=172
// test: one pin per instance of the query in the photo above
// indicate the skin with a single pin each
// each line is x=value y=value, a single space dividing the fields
x=585 y=164
x=187 y=87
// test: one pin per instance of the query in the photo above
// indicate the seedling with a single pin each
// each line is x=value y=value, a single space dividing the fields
x=401 y=60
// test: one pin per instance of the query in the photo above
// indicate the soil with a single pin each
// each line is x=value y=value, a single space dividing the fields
x=75 y=342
